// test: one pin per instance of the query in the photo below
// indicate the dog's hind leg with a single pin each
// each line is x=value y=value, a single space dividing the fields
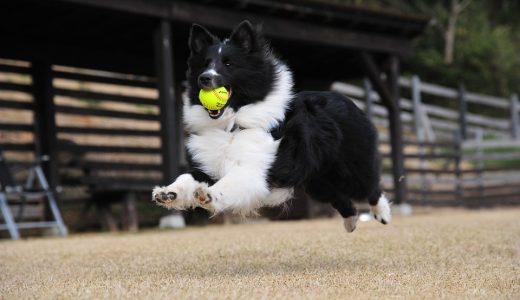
x=324 y=191
x=348 y=211
x=380 y=207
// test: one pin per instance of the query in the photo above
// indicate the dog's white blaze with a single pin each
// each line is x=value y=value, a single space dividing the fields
x=212 y=72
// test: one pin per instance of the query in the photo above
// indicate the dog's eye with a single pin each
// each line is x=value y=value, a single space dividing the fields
x=226 y=62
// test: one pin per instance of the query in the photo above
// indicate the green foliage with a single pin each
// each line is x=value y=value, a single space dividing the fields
x=486 y=49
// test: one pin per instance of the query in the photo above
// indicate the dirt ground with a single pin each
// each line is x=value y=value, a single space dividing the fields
x=439 y=254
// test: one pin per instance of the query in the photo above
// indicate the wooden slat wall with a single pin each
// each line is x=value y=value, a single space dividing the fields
x=16 y=105
x=109 y=127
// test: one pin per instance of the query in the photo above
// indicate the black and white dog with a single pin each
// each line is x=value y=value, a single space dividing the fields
x=267 y=140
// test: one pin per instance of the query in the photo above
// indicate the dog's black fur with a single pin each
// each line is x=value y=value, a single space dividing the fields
x=328 y=146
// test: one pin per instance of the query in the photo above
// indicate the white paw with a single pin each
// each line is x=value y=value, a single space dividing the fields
x=350 y=223
x=178 y=195
x=206 y=198
x=382 y=211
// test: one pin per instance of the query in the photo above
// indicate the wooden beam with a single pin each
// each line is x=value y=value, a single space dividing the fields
x=396 y=132
x=276 y=27
x=170 y=145
x=389 y=95
x=45 y=120
x=290 y=30
x=374 y=74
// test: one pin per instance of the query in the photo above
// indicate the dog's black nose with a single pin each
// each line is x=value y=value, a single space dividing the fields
x=210 y=80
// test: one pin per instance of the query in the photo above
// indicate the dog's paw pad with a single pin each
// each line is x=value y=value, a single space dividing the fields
x=160 y=195
x=202 y=197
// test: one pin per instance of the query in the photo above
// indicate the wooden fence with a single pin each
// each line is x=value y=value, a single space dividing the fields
x=107 y=133
x=461 y=148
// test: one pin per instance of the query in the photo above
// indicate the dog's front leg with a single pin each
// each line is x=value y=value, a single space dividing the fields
x=241 y=190
x=181 y=193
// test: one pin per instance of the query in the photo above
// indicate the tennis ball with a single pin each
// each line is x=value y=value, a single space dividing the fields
x=214 y=99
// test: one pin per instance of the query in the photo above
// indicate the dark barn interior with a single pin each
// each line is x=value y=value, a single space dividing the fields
x=146 y=41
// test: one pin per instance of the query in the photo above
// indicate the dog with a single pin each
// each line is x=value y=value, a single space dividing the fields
x=268 y=140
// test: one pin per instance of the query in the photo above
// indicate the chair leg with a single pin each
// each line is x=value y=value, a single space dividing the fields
x=52 y=201
x=8 y=217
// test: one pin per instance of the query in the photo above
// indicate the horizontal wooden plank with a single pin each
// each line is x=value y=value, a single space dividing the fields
x=15 y=87
x=16 y=127
x=126 y=184
x=429 y=171
x=488 y=169
x=432 y=191
x=16 y=104
x=486 y=144
x=109 y=149
x=108 y=131
x=430 y=88
x=104 y=79
x=104 y=113
x=97 y=165
x=104 y=96
x=493 y=156
x=425 y=156
x=17 y=147
x=15 y=69
x=439 y=144
x=487 y=100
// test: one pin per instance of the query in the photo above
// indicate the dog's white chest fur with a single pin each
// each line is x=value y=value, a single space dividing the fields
x=217 y=152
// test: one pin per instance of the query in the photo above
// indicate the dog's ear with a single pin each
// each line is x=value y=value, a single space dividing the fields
x=245 y=36
x=200 y=38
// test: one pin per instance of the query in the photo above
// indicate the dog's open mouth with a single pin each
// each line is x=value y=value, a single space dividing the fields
x=215 y=114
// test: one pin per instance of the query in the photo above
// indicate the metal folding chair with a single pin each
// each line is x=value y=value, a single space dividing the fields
x=29 y=191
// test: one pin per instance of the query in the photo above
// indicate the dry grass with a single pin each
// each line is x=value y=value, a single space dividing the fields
x=443 y=254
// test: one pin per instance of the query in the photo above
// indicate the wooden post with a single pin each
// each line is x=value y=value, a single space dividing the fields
x=169 y=116
x=419 y=130
x=479 y=153
x=514 y=117
x=396 y=132
x=463 y=110
x=416 y=98
x=369 y=110
x=389 y=94
x=459 y=184
x=45 y=121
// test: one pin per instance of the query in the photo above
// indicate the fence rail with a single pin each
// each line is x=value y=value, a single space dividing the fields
x=455 y=154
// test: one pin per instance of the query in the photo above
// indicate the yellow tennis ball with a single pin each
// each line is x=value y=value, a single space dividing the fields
x=214 y=99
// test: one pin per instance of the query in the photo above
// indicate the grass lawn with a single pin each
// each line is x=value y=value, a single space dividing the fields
x=439 y=254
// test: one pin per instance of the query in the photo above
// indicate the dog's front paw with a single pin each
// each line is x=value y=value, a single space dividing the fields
x=164 y=197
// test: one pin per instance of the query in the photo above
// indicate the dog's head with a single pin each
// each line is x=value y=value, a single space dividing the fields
x=242 y=63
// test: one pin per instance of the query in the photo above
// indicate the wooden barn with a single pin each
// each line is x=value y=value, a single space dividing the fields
x=94 y=85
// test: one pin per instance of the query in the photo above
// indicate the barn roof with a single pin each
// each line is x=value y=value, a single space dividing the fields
x=317 y=39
